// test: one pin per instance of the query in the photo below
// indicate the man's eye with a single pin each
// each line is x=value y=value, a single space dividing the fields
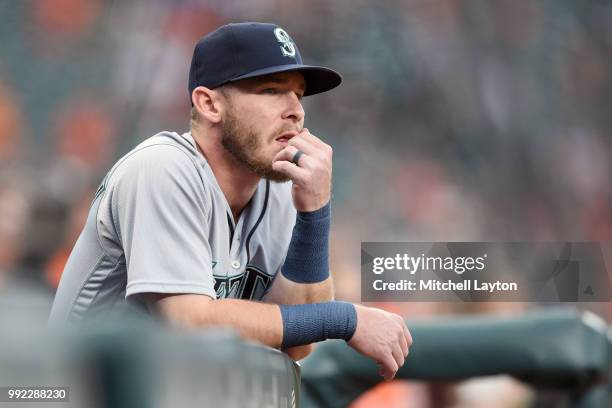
x=270 y=91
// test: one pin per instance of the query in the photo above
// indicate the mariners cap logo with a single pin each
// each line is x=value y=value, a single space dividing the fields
x=287 y=45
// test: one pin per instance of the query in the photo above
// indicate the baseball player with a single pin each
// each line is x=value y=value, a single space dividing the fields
x=228 y=224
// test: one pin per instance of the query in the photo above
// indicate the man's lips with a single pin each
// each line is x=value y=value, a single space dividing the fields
x=285 y=137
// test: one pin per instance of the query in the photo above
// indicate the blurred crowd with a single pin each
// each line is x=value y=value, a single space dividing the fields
x=457 y=120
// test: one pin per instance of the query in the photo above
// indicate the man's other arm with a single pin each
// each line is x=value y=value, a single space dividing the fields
x=379 y=335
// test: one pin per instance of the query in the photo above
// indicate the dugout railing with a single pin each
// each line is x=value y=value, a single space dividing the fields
x=564 y=354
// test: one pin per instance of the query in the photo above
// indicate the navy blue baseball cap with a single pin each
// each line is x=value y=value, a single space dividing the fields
x=246 y=50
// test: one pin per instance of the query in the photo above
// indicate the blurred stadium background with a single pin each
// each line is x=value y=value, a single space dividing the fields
x=457 y=121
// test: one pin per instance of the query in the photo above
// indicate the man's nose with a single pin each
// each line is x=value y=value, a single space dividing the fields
x=295 y=110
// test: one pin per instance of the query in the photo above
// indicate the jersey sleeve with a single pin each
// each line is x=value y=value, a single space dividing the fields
x=160 y=211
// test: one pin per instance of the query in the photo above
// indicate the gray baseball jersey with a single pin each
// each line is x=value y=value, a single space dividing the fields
x=160 y=223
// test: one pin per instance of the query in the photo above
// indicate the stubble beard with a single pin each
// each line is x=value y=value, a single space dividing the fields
x=244 y=145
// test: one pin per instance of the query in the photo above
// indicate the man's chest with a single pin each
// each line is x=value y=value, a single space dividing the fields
x=245 y=255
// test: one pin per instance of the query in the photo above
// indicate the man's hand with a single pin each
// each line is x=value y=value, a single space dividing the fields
x=312 y=175
x=383 y=337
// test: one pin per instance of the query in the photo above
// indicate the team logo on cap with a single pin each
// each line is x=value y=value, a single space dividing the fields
x=287 y=45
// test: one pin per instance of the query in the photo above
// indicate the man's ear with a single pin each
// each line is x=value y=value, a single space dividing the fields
x=208 y=103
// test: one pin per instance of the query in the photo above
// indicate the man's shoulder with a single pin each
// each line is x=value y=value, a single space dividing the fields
x=159 y=164
x=165 y=137
x=164 y=144
x=163 y=151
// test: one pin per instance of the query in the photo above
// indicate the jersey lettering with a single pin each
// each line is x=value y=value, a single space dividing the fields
x=250 y=284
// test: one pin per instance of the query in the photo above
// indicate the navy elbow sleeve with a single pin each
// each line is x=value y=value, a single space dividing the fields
x=310 y=323
x=307 y=258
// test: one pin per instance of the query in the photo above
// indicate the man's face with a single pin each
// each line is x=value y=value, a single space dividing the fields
x=261 y=115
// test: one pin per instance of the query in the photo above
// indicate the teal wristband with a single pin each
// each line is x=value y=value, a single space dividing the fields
x=310 y=323
x=307 y=259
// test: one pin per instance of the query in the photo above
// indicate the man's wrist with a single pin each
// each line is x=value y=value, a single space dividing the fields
x=321 y=213
x=310 y=323
x=307 y=259
x=311 y=205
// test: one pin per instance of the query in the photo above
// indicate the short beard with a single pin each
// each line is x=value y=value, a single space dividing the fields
x=244 y=145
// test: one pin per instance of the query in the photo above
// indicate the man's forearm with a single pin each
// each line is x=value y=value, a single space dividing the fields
x=253 y=320
x=276 y=326
x=287 y=292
